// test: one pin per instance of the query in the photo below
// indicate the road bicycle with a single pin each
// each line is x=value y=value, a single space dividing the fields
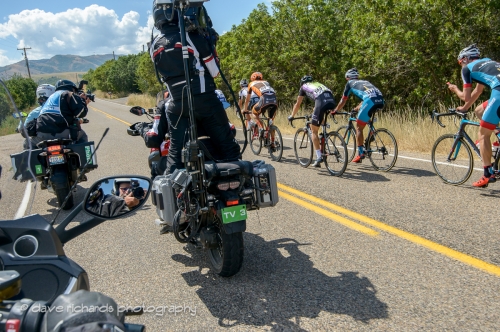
x=452 y=157
x=332 y=145
x=380 y=144
x=269 y=138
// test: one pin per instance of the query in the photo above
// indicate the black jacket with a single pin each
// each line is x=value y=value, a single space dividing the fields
x=166 y=53
x=59 y=112
x=108 y=206
x=154 y=135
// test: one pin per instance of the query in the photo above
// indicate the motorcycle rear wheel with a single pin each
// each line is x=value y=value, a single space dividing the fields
x=60 y=183
x=227 y=259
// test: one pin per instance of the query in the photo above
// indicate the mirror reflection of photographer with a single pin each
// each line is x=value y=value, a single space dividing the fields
x=106 y=205
x=129 y=190
x=166 y=53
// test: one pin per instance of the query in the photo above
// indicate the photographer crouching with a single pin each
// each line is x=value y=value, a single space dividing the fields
x=167 y=55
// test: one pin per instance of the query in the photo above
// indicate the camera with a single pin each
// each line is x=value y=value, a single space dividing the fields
x=136 y=189
x=90 y=96
x=80 y=90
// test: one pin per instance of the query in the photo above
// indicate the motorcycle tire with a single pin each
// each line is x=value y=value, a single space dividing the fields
x=227 y=259
x=60 y=183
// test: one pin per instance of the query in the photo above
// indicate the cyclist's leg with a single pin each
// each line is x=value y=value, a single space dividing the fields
x=479 y=111
x=271 y=114
x=491 y=118
x=316 y=120
x=364 y=116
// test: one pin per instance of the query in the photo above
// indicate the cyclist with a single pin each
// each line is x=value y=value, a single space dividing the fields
x=262 y=99
x=323 y=102
x=372 y=100
x=484 y=72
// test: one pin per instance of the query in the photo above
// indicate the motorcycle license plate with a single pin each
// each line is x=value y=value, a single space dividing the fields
x=234 y=213
x=56 y=159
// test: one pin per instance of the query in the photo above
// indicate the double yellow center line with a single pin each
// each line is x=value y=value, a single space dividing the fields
x=461 y=257
x=300 y=198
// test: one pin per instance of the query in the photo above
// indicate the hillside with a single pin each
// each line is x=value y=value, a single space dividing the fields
x=56 y=64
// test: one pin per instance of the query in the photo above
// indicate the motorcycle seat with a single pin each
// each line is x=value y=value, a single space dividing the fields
x=229 y=168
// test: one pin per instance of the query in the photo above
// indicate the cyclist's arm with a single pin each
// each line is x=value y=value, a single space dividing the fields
x=467 y=98
x=296 y=107
x=477 y=92
x=341 y=104
x=453 y=88
x=247 y=101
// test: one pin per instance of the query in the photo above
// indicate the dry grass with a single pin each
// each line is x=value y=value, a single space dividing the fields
x=105 y=95
x=415 y=134
x=146 y=101
x=8 y=126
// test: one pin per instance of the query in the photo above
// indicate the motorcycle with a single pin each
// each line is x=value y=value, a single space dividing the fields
x=33 y=248
x=150 y=128
x=138 y=128
x=58 y=165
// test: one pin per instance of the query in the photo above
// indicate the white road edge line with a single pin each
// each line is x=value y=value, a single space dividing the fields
x=24 y=203
x=404 y=157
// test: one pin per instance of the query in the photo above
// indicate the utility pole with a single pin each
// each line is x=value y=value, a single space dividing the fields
x=143 y=47
x=26 y=58
x=114 y=55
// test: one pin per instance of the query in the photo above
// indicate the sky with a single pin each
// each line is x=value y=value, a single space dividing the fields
x=84 y=27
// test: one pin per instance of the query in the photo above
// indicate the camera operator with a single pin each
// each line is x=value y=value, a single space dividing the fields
x=129 y=191
x=166 y=53
x=62 y=113
x=106 y=205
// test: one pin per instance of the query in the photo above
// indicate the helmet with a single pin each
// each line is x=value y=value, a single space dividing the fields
x=469 y=52
x=256 y=76
x=244 y=83
x=116 y=185
x=352 y=73
x=306 y=79
x=43 y=92
x=163 y=16
x=66 y=85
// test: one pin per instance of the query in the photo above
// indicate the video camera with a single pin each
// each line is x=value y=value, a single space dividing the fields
x=136 y=189
x=80 y=90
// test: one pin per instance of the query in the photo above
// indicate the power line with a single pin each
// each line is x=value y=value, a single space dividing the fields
x=26 y=58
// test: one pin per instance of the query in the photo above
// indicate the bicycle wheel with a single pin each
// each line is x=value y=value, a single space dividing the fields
x=382 y=149
x=335 y=154
x=276 y=152
x=303 y=148
x=458 y=168
x=254 y=139
x=349 y=136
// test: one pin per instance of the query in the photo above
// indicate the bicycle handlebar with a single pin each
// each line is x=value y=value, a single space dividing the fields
x=306 y=117
x=451 y=111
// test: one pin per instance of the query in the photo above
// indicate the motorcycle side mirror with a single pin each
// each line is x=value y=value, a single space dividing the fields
x=10 y=284
x=117 y=196
x=151 y=110
x=137 y=110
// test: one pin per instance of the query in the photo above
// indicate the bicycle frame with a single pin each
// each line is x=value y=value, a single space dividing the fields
x=461 y=133
x=350 y=126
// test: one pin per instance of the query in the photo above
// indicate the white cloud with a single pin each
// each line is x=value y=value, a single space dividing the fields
x=92 y=30
x=4 y=60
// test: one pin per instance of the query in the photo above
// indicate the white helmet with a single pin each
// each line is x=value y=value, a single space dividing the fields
x=43 y=92
x=470 y=52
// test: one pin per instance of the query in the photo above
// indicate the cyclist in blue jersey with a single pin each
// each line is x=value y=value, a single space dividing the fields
x=323 y=103
x=372 y=100
x=484 y=72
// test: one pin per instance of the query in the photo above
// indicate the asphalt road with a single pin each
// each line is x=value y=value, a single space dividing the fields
x=395 y=251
